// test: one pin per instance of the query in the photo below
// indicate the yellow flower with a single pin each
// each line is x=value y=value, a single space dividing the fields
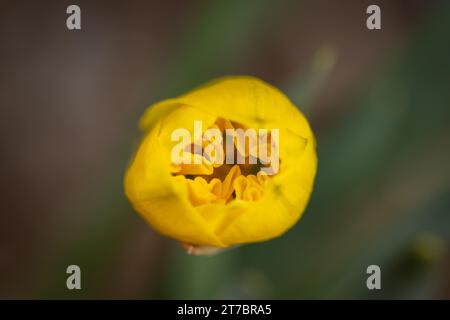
x=204 y=203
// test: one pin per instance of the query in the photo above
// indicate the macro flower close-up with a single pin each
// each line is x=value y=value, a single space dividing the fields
x=252 y=196
x=243 y=152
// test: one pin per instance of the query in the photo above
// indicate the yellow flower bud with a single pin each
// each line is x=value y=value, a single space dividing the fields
x=203 y=202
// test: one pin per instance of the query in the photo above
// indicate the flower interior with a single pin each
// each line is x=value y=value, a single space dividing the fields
x=220 y=183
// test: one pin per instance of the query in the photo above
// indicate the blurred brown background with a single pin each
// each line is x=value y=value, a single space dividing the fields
x=70 y=102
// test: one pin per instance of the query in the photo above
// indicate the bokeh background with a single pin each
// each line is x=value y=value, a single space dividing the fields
x=378 y=101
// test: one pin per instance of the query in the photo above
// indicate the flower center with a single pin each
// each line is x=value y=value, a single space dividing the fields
x=211 y=180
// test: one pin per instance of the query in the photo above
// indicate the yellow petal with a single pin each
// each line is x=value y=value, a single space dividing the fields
x=162 y=200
